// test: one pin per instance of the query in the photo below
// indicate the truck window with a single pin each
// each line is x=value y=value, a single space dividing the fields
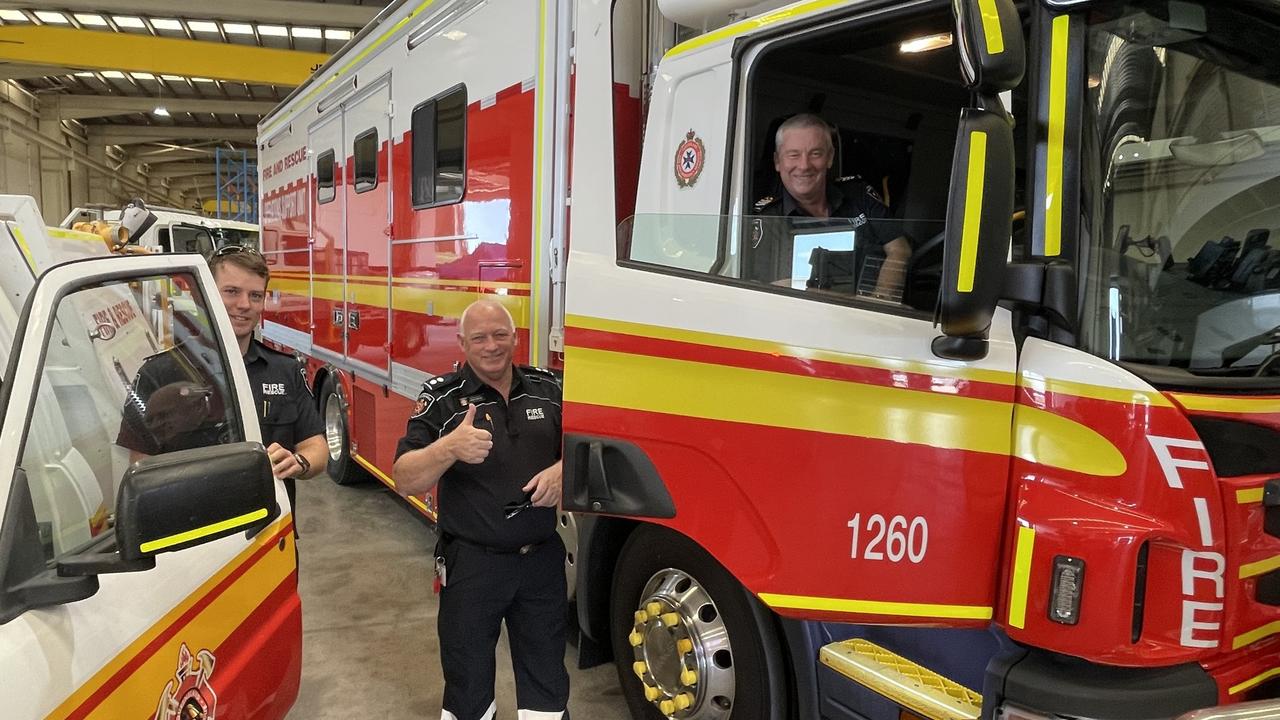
x=365 y=152
x=111 y=389
x=325 y=191
x=887 y=94
x=439 y=149
x=190 y=239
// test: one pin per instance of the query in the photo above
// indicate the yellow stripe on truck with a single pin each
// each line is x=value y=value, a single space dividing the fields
x=445 y=303
x=1021 y=577
x=714 y=392
x=972 y=211
x=876 y=607
x=991 y=26
x=206 y=531
x=1054 y=182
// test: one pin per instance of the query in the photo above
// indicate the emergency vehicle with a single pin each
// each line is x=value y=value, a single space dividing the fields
x=160 y=587
x=1037 y=478
x=174 y=230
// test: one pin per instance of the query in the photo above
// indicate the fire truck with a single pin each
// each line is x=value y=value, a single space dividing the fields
x=1037 y=475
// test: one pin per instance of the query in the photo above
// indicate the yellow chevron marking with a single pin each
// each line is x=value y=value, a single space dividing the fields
x=1054 y=441
x=1254 y=681
x=714 y=392
x=1252 y=496
x=1255 y=635
x=1262 y=567
x=876 y=607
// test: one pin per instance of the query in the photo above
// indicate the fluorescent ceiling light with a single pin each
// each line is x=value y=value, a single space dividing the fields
x=166 y=24
x=142 y=76
x=926 y=43
x=194 y=79
x=50 y=16
x=172 y=78
x=160 y=111
x=306 y=32
x=337 y=34
x=202 y=26
x=454 y=34
x=95 y=20
x=84 y=73
x=129 y=21
x=273 y=30
x=237 y=28
x=13 y=16
x=113 y=74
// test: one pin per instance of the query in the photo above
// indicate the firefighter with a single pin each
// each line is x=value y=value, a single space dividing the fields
x=490 y=435
x=183 y=401
x=803 y=160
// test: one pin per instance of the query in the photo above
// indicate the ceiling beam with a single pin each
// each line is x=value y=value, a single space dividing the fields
x=160 y=158
x=76 y=107
x=134 y=134
x=177 y=170
x=24 y=71
x=98 y=50
x=290 y=12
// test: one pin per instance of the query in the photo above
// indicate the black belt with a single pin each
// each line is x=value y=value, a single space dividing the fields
x=522 y=550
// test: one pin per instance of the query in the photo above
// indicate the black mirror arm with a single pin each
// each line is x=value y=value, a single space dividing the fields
x=102 y=564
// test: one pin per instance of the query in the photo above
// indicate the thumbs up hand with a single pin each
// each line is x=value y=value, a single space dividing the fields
x=467 y=442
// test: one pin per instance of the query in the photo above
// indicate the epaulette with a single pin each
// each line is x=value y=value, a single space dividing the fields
x=764 y=202
x=866 y=186
x=440 y=383
x=542 y=374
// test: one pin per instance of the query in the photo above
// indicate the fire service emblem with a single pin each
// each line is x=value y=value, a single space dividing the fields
x=689 y=160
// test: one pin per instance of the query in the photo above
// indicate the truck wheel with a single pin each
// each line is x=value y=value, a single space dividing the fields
x=689 y=641
x=342 y=468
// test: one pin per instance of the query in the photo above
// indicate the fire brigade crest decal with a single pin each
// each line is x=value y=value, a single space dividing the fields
x=690 y=156
x=188 y=694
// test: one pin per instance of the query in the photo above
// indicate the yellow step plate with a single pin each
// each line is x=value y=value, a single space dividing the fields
x=915 y=688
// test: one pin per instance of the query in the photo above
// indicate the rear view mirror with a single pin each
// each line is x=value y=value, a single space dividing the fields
x=992 y=52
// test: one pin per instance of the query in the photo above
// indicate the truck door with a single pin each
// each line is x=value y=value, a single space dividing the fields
x=92 y=623
x=367 y=138
x=328 y=225
x=777 y=368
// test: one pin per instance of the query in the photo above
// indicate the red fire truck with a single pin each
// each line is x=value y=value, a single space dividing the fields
x=1037 y=475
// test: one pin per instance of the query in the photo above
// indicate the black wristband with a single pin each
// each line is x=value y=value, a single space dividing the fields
x=304 y=462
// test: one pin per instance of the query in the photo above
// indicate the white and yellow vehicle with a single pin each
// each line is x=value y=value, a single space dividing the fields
x=163 y=588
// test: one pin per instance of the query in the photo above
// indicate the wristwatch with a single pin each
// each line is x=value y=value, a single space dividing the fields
x=304 y=462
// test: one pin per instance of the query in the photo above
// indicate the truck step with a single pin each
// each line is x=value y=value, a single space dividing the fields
x=908 y=684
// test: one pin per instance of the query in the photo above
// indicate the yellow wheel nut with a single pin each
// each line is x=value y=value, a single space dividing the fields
x=683 y=700
x=653 y=608
x=642 y=617
x=635 y=638
x=666 y=707
x=639 y=667
x=684 y=646
x=651 y=693
x=689 y=677
x=670 y=619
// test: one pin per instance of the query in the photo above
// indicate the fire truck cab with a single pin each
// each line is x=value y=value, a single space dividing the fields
x=133 y=582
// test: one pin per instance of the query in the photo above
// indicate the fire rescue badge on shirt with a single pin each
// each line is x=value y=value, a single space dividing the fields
x=690 y=157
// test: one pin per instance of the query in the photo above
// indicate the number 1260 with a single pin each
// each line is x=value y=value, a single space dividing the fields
x=890 y=539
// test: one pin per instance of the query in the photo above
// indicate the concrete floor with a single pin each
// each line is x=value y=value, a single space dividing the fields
x=369 y=616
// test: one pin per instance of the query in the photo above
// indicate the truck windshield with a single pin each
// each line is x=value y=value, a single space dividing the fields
x=1181 y=179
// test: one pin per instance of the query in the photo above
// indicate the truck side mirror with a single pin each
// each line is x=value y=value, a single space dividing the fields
x=190 y=497
x=980 y=207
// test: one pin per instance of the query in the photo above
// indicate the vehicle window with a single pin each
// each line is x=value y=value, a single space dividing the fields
x=365 y=151
x=191 y=239
x=114 y=387
x=1180 y=172
x=847 y=144
x=325 y=170
x=439 y=149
